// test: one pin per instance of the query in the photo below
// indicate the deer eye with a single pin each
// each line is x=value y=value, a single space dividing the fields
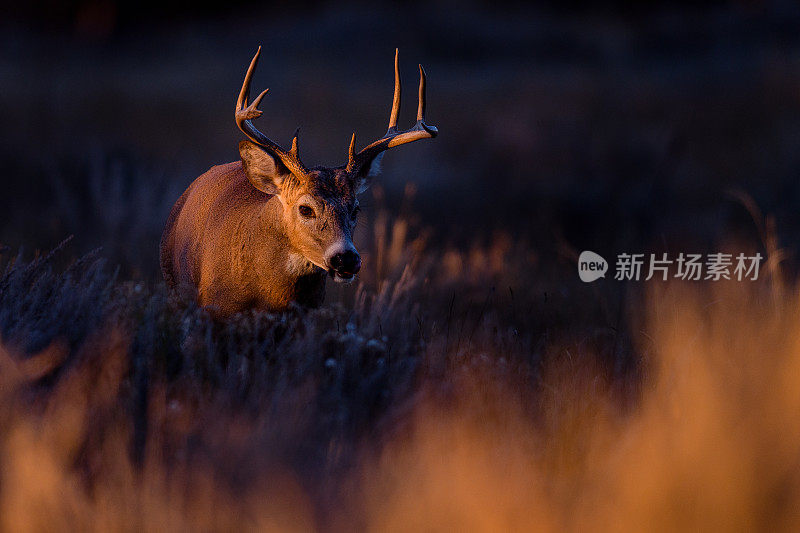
x=306 y=212
x=355 y=212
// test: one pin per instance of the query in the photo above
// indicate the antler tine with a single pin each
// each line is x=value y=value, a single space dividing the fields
x=242 y=108
x=420 y=130
x=351 y=153
x=295 y=151
x=246 y=113
x=421 y=97
x=397 y=89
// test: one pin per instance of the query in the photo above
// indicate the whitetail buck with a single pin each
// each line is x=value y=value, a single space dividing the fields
x=266 y=231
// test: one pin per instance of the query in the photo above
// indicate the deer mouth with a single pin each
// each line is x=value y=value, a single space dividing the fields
x=342 y=277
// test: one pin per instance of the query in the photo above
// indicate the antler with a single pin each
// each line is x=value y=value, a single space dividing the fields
x=421 y=130
x=244 y=119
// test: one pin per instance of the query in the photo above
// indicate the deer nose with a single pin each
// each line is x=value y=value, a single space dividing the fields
x=347 y=262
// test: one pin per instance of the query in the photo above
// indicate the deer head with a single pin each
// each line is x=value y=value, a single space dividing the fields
x=320 y=204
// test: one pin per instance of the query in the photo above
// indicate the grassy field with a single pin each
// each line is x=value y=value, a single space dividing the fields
x=468 y=380
x=429 y=397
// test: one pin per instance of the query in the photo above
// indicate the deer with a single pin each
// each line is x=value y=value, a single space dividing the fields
x=266 y=231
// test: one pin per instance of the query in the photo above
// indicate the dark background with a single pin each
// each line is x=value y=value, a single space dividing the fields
x=569 y=126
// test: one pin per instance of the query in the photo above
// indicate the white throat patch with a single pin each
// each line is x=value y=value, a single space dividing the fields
x=298 y=265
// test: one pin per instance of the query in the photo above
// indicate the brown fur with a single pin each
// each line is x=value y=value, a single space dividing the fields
x=224 y=246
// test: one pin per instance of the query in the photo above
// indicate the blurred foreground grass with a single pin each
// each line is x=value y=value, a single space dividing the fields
x=448 y=390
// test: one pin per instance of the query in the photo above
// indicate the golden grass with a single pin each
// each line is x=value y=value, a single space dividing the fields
x=712 y=443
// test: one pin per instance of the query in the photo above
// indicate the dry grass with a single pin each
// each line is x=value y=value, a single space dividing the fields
x=390 y=414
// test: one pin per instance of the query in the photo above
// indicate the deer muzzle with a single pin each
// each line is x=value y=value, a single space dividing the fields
x=344 y=265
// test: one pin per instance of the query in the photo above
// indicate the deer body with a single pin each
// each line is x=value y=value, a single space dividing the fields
x=267 y=231
x=225 y=246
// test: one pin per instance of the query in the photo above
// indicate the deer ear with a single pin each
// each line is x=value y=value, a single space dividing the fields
x=363 y=178
x=264 y=171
